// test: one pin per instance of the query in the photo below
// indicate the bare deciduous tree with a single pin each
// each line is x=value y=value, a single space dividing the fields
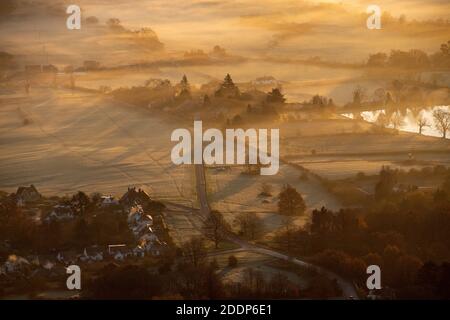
x=215 y=227
x=250 y=225
x=442 y=119
x=194 y=250
x=422 y=122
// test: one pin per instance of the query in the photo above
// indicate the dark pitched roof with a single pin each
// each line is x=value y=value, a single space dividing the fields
x=21 y=190
x=133 y=196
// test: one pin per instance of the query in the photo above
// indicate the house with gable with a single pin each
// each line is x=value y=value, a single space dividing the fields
x=148 y=235
x=67 y=258
x=135 y=215
x=139 y=251
x=92 y=253
x=119 y=252
x=106 y=201
x=27 y=194
x=16 y=264
x=133 y=197
x=60 y=212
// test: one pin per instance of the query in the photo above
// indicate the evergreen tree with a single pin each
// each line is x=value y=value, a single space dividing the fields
x=227 y=88
x=228 y=82
x=185 y=88
x=184 y=83
x=275 y=96
x=291 y=202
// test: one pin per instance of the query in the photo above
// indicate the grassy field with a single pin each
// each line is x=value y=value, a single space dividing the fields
x=339 y=148
x=338 y=167
x=268 y=266
x=232 y=192
x=63 y=142
x=182 y=224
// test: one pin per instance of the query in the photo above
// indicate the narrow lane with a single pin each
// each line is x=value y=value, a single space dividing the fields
x=348 y=290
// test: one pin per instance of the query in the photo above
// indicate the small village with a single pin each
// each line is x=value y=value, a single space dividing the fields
x=144 y=238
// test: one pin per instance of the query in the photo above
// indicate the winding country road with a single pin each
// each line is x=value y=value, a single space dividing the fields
x=348 y=290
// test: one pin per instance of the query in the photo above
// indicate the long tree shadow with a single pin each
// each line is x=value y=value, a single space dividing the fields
x=234 y=186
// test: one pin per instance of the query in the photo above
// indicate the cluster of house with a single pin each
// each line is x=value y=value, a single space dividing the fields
x=14 y=264
x=140 y=223
x=149 y=244
x=31 y=265
x=142 y=226
x=118 y=252
x=30 y=194
x=66 y=211
x=62 y=212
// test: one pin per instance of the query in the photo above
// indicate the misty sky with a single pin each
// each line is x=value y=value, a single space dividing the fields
x=332 y=30
x=251 y=25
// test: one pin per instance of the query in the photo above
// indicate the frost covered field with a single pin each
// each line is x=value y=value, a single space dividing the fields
x=63 y=142
x=339 y=148
x=232 y=192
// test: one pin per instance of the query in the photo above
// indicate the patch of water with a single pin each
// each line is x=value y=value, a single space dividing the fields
x=407 y=120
